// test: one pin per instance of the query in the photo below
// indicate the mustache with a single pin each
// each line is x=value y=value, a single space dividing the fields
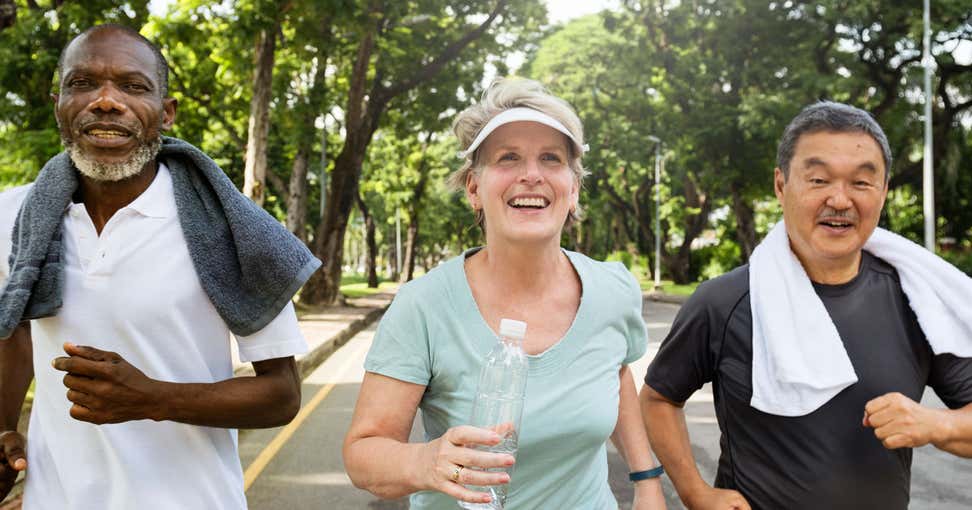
x=834 y=214
x=83 y=120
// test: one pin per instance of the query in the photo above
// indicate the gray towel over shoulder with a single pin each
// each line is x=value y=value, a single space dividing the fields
x=249 y=265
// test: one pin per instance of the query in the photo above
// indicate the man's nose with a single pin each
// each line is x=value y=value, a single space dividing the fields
x=839 y=199
x=107 y=101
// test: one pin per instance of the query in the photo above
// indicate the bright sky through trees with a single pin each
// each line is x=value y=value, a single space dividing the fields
x=560 y=10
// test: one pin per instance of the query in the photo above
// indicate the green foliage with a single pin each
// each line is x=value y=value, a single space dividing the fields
x=624 y=257
x=960 y=259
x=716 y=81
x=903 y=213
x=716 y=259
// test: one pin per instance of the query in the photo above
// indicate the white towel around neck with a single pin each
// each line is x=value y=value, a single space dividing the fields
x=799 y=360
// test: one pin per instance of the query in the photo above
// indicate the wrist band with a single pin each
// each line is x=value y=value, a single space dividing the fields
x=638 y=476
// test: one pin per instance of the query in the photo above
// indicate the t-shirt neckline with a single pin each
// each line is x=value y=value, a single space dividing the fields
x=551 y=358
x=823 y=289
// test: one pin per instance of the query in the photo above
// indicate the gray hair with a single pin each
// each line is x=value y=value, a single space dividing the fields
x=501 y=95
x=833 y=117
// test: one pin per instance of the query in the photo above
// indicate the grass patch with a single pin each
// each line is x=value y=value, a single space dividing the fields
x=356 y=285
x=667 y=286
x=678 y=289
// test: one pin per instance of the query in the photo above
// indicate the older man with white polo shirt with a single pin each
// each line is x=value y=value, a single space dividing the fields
x=132 y=261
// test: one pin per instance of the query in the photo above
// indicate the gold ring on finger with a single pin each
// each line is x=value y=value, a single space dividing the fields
x=455 y=474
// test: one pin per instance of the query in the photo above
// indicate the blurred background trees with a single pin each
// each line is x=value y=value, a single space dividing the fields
x=355 y=97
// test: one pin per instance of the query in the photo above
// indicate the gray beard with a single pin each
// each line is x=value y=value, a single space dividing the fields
x=113 y=172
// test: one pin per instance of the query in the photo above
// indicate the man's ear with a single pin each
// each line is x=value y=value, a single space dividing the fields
x=169 y=107
x=779 y=180
x=55 y=97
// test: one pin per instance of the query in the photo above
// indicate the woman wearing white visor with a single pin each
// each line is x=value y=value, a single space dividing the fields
x=521 y=173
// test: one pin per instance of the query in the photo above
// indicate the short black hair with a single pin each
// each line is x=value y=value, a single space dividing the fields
x=161 y=64
x=834 y=117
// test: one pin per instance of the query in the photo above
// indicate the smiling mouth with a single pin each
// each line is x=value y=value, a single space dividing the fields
x=529 y=203
x=838 y=224
x=106 y=134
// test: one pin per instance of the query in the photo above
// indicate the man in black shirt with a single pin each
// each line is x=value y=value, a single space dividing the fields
x=854 y=451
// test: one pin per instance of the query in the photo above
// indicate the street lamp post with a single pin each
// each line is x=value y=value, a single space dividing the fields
x=659 y=147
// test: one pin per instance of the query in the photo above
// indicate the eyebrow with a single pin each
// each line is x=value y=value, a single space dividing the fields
x=815 y=161
x=123 y=75
x=545 y=148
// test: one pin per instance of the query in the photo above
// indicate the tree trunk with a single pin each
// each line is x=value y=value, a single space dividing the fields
x=297 y=200
x=745 y=223
x=8 y=13
x=255 y=171
x=323 y=287
x=371 y=257
x=416 y=206
x=411 y=238
x=679 y=263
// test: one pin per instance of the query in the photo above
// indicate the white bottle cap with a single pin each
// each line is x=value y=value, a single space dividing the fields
x=512 y=329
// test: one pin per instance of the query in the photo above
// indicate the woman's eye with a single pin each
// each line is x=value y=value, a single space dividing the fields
x=509 y=156
x=552 y=157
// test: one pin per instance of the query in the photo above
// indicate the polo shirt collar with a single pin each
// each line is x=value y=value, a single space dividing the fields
x=157 y=201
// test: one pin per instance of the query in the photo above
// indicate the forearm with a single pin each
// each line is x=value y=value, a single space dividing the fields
x=955 y=436
x=668 y=434
x=269 y=399
x=241 y=402
x=16 y=373
x=629 y=434
x=383 y=466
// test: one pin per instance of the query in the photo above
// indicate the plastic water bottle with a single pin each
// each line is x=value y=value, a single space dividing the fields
x=499 y=403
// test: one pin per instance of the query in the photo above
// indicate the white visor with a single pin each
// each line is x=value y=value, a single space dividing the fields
x=520 y=114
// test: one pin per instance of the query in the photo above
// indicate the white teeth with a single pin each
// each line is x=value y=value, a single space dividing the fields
x=105 y=133
x=529 y=202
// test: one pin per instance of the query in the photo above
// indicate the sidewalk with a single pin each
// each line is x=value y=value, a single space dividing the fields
x=325 y=330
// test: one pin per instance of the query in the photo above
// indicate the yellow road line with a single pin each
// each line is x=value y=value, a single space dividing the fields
x=278 y=442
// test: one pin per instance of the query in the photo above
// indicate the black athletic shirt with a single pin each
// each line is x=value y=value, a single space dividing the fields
x=825 y=459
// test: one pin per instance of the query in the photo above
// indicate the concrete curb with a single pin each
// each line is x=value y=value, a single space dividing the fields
x=661 y=297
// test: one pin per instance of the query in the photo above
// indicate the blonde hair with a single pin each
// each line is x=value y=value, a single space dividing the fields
x=501 y=95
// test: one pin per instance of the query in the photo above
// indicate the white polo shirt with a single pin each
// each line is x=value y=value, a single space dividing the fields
x=133 y=290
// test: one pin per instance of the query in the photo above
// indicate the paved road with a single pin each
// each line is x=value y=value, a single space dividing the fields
x=307 y=472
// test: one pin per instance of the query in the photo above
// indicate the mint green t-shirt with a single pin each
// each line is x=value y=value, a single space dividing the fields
x=434 y=335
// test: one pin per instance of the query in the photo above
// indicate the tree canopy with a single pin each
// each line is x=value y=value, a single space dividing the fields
x=357 y=97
